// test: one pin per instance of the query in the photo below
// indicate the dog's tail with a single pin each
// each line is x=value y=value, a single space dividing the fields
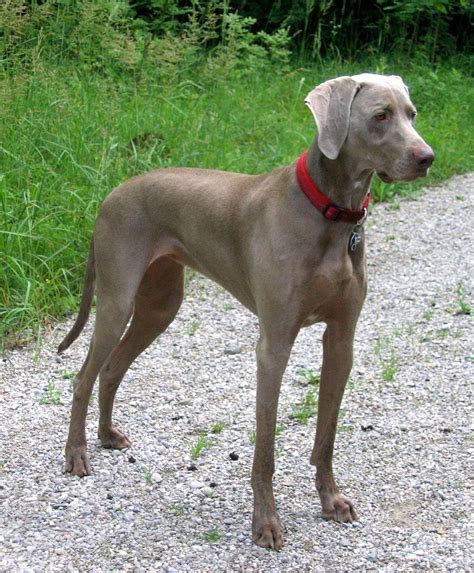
x=86 y=302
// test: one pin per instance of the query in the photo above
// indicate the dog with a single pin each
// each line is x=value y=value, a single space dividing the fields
x=288 y=244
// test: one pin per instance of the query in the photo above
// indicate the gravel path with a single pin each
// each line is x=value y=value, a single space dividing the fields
x=402 y=447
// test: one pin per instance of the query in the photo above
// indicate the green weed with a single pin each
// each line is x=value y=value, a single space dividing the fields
x=194 y=327
x=176 y=508
x=148 y=475
x=68 y=375
x=217 y=428
x=306 y=408
x=388 y=359
x=464 y=307
x=213 y=536
x=51 y=396
x=308 y=376
x=390 y=368
x=428 y=314
x=202 y=442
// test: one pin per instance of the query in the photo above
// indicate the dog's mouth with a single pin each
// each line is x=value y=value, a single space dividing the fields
x=385 y=177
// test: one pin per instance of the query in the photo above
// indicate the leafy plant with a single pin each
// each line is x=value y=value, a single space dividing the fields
x=217 y=427
x=176 y=508
x=388 y=359
x=308 y=376
x=194 y=327
x=464 y=307
x=52 y=395
x=213 y=536
x=148 y=475
x=306 y=408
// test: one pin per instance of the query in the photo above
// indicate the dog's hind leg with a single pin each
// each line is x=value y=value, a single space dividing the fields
x=119 y=272
x=156 y=303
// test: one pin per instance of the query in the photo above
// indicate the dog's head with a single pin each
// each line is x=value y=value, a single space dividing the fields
x=371 y=118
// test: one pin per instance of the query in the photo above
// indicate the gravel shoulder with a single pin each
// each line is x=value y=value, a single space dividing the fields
x=403 y=451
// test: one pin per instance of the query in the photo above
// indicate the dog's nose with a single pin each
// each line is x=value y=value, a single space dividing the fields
x=424 y=156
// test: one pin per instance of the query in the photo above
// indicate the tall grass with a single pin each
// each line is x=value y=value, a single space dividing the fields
x=71 y=134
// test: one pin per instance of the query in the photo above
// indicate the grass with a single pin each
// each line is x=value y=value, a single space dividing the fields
x=388 y=359
x=176 y=508
x=194 y=327
x=202 y=442
x=308 y=376
x=70 y=137
x=148 y=475
x=463 y=306
x=305 y=409
x=218 y=427
x=51 y=396
x=213 y=536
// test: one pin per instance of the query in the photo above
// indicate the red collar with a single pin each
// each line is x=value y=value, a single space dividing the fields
x=329 y=209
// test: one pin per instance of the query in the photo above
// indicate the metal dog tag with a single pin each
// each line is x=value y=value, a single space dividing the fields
x=354 y=239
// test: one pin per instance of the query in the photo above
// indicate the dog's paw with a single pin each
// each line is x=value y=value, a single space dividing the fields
x=267 y=532
x=77 y=462
x=114 y=439
x=338 y=508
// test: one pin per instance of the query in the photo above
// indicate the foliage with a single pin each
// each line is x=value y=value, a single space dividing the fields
x=105 y=35
x=306 y=408
x=352 y=29
x=95 y=92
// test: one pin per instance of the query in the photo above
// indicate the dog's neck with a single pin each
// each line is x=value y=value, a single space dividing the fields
x=338 y=179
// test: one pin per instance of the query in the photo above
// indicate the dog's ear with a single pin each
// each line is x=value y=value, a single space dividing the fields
x=400 y=82
x=330 y=104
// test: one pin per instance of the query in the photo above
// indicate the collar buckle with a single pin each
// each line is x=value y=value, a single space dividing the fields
x=362 y=220
x=333 y=212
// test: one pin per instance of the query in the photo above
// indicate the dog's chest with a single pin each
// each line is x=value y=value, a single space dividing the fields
x=335 y=284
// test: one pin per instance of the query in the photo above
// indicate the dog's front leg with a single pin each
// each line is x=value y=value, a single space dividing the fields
x=272 y=358
x=337 y=363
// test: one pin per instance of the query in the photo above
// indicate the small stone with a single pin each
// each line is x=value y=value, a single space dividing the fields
x=232 y=349
x=233 y=456
x=213 y=484
x=131 y=459
x=196 y=484
x=192 y=467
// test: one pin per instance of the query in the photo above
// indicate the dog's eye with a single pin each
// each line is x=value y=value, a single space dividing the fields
x=413 y=116
x=382 y=116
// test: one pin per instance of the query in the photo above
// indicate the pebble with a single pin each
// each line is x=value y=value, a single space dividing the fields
x=196 y=484
x=232 y=349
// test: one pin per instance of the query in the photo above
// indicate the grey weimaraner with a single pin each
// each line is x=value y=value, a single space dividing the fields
x=292 y=254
